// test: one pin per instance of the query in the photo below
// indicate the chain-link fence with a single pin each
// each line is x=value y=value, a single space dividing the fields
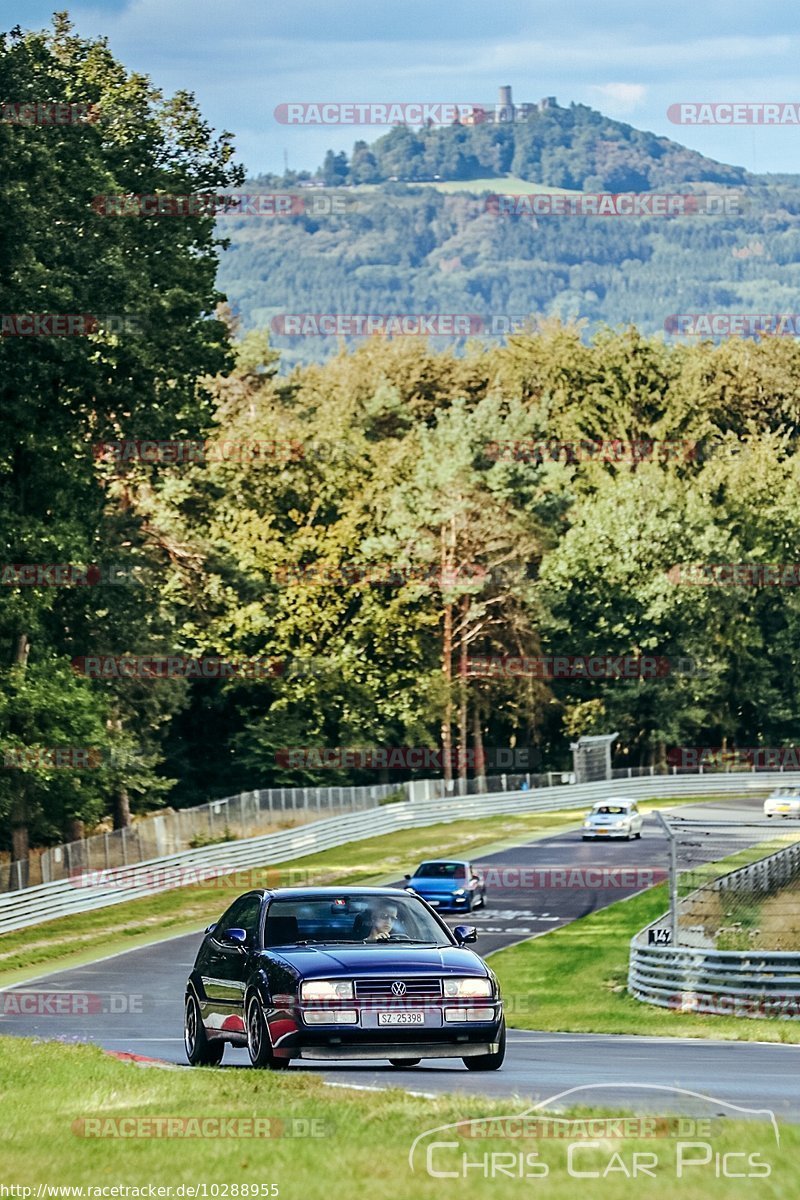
x=734 y=884
x=249 y=814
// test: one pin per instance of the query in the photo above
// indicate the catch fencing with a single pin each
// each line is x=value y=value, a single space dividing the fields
x=730 y=943
x=245 y=815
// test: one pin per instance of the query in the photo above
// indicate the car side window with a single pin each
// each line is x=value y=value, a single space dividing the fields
x=242 y=914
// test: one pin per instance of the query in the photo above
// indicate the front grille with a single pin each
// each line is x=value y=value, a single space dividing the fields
x=415 y=989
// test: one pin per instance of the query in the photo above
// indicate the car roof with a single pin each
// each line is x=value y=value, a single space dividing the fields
x=455 y=862
x=324 y=893
x=612 y=800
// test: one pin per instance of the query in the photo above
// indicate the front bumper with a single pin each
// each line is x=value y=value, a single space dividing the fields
x=443 y=902
x=410 y=1050
x=293 y=1037
x=608 y=834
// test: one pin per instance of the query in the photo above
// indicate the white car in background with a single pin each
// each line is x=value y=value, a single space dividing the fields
x=784 y=802
x=613 y=819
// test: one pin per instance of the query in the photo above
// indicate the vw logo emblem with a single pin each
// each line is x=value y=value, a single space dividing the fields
x=398 y=989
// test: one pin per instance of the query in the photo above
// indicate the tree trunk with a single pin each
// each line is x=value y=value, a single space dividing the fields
x=463 y=698
x=447 y=671
x=76 y=830
x=122 y=808
x=477 y=746
x=20 y=841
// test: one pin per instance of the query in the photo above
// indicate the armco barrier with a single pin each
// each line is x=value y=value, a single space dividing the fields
x=34 y=905
x=746 y=983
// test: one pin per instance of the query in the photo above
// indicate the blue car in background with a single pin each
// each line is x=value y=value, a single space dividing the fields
x=448 y=885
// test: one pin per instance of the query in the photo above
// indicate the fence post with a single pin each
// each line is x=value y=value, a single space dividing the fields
x=673 y=877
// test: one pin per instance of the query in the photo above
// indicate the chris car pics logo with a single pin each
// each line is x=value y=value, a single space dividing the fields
x=537 y=1143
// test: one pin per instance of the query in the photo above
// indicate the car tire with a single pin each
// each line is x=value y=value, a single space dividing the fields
x=399 y=1063
x=259 y=1046
x=200 y=1050
x=639 y=834
x=489 y=1062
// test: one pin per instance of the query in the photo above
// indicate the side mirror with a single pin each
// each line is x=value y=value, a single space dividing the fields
x=210 y=928
x=406 y=877
x=465 y=933
x=237 y=936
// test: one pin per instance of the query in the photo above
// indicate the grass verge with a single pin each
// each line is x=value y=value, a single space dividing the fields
x=50 y=1092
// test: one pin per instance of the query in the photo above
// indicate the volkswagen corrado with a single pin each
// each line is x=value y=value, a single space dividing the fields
x=325 y=973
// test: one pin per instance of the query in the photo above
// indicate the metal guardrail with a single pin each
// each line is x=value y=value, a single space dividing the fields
x=247 y=814
x=32 y=906
x=749 y=983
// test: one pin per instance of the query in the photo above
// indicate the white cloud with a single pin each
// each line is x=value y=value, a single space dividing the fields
x=619 y=97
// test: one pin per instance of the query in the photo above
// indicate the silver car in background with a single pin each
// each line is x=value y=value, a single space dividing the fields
x=613 y=819
x=783 y=802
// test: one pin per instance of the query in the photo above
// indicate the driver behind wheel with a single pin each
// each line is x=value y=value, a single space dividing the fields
x=376 y=925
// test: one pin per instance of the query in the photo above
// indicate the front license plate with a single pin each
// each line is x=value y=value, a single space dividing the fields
x=401 y=1018
x=601 y=831
x=783 y=808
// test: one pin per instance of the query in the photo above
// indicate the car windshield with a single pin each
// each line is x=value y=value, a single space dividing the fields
x=615 y=809
x=353 y=919
x=441 y=870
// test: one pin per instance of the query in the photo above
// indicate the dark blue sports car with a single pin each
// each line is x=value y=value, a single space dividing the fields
x=446 y=884
x=321 y=973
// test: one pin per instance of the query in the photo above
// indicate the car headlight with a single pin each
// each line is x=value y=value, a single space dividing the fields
x=459 y=892
x=587 y=824
x=326 y=989
x=467 y=987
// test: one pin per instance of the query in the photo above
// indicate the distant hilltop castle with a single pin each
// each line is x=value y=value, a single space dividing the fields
x=506 y=110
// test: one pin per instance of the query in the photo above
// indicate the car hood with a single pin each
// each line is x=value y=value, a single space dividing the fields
x=432 y=884
x=393 y=960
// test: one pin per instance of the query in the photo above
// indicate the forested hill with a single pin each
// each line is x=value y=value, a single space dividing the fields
x=413 y=246
x=575 y=147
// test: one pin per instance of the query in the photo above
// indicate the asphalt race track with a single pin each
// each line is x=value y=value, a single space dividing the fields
x=133 y=1002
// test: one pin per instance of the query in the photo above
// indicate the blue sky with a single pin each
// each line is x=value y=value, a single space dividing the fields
x=627 y=58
